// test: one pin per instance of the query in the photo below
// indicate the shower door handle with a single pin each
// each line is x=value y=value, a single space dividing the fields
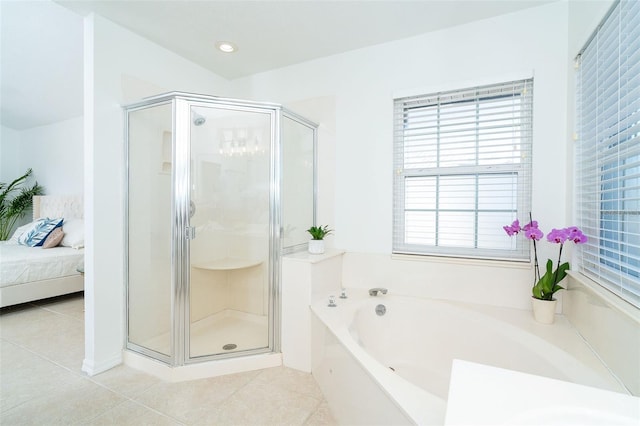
x=190 y=233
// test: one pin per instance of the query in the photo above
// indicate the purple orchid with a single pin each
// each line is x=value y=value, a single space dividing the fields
x=512 y=229
x=532 y=232
x=558 y=236
x=545 y=286
x=576 y=235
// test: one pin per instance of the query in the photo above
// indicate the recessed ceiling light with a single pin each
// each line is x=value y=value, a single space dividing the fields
x=226 y=46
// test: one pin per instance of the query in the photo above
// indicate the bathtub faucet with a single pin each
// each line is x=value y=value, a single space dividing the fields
x=375 y=291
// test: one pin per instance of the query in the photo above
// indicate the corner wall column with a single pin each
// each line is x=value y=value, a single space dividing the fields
x=306 y=278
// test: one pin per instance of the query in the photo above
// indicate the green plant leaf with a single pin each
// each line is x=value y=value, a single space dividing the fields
x=547 y=285
x=12 y=209
x=537 y=292
x=549 y=266
x=319 y=232
x=562 y=272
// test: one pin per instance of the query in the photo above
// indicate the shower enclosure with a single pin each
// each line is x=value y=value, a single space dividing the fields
x=216 y=190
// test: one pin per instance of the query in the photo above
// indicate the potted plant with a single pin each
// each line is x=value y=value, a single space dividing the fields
x=316 y=244
x=544 y=287
x=14 y=208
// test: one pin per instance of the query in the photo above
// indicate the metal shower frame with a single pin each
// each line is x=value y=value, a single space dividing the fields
x=181 y=104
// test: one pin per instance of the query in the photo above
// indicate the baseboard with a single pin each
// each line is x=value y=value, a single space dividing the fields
x=92 y=368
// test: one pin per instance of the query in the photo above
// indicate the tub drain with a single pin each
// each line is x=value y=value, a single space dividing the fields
x=229 y=346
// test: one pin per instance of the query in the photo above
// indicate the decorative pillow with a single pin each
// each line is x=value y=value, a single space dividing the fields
x=53 y=239
x=19 y=231
x=39 y=231
x=73 y=233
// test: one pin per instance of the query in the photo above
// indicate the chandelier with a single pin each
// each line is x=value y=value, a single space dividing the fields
x=240 y=142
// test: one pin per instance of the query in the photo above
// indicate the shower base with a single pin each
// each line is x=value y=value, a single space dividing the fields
x=208 y=336
x=201 y=370
x=246 y=331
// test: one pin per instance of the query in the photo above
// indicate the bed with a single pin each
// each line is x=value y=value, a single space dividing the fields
x=33 y=273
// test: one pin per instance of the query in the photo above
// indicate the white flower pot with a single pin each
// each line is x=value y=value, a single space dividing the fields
x=544 y=311
x=316 y=246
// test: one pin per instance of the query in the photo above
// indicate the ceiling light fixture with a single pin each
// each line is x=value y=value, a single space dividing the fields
x=226 y=46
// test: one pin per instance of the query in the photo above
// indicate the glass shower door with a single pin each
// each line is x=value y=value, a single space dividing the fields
x=230 y=216
x=149 y=210
x=298 y=182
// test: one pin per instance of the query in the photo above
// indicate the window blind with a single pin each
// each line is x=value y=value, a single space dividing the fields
x=608 y=152
x=462 y=162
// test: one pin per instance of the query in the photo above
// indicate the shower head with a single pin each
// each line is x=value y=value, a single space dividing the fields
x=198 y=120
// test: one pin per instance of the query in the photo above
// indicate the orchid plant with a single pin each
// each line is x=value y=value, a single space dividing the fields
x=546 y=285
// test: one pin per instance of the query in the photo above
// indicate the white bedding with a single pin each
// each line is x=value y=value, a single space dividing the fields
x=21 y=264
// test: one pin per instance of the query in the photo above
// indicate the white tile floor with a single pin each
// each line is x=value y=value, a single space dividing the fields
x=41 y=383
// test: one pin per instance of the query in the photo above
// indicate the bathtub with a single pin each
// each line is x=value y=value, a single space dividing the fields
x=395 y=368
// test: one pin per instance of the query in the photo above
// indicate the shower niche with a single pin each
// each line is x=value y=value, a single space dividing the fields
x=216 y=190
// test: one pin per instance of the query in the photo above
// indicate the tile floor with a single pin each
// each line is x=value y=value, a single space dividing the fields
x=41 y=383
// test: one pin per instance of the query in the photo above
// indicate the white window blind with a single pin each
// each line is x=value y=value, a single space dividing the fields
x=608 y=152
x=462 y=162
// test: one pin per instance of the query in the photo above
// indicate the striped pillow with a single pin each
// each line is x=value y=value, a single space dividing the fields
x=39 y=231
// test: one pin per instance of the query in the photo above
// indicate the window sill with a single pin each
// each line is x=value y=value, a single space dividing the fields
x=462 y=261
x=607 y=297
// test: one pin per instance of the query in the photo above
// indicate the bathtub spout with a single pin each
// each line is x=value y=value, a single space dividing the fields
x=375 y=291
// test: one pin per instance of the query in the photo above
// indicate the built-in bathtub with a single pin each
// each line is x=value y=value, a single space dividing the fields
x=395 y=368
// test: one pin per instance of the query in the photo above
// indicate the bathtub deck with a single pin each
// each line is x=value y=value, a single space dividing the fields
x=425 y=336
x=507 y=400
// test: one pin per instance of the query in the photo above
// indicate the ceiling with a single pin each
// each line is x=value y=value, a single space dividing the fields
x=41 y=79
x=40 y=64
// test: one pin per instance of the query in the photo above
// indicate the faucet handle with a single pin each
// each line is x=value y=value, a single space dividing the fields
x=375 y=291
x=332 y=301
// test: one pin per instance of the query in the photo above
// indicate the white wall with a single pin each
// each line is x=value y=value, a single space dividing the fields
x=363 y=83
x=55 y=153
x=584 y=17
x=120 y=67
x=10 y=165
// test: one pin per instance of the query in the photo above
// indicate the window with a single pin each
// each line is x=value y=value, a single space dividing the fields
x=462 y=162
x=608 y=152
